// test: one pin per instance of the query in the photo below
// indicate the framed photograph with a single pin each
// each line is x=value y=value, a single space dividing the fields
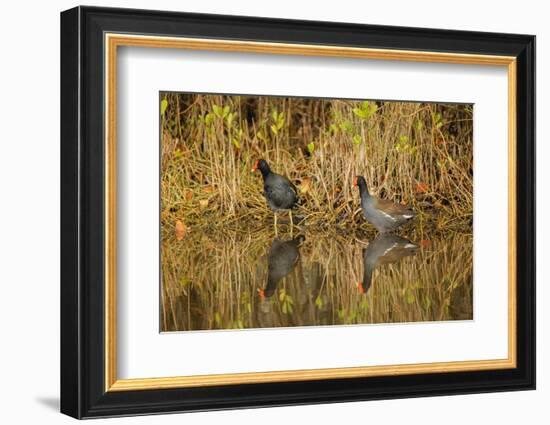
x=261 y=212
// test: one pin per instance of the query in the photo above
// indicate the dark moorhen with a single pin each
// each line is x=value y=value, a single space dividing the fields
x=279 y=191
x=383 y=214
x=385 y=249
x=281 y=260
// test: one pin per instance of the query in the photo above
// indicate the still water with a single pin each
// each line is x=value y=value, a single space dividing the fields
x=235 y=280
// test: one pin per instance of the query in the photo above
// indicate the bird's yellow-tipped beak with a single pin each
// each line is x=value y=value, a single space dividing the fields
x=355 y=182
x=261 y=294
x=255 y=167
x=360 y=288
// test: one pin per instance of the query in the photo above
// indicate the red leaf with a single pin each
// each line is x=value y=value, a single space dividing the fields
x=421 y=187
x=181 y=230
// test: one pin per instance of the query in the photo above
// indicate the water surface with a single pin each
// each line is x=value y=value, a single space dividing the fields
x=253 y=279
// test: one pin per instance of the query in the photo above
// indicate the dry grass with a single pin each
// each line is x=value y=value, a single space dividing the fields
x=416 y=153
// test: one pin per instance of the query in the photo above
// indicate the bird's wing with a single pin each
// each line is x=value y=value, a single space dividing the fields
x=288 y=183
x=279 y=189
x=390 y=207
x=277 y=195
x=293 y=187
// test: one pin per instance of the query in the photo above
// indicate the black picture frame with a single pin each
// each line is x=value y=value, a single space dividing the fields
x=82 y=212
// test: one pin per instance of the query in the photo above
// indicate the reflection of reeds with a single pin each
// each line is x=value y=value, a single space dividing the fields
x=212 y=280
x=416 y=153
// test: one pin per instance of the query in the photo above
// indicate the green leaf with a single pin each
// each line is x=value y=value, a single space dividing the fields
x=311 y=147
x=236 y=143
x=274 y=129
x=225 y=111
x=208 y=119
x=217 y=110
x=357 y=139
x=366 y=110
x=163 y=106
x=280 y=120
x=346 y=126
x=373 y=108
x=427 y=302
x=360 y=113
x=230 y=118
x=218 y=318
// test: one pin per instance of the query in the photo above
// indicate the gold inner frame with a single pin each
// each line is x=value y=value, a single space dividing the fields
x=113 y=41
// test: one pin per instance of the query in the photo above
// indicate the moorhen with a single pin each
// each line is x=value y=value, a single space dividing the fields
x=279 y=191
x=385 y=249
x=383 y=214
x=281 y=260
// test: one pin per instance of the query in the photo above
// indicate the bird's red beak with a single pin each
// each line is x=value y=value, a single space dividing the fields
x=355 y=182
x=261 y=294
x=255 y=167
x=360 y=288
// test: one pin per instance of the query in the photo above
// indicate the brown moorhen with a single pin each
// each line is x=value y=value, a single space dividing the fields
x=385 y=249
x=383 y=214
x=281 y=260
x=279 y=191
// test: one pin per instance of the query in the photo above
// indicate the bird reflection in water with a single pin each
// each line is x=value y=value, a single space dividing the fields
x=385 y=249
x=281 y=260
